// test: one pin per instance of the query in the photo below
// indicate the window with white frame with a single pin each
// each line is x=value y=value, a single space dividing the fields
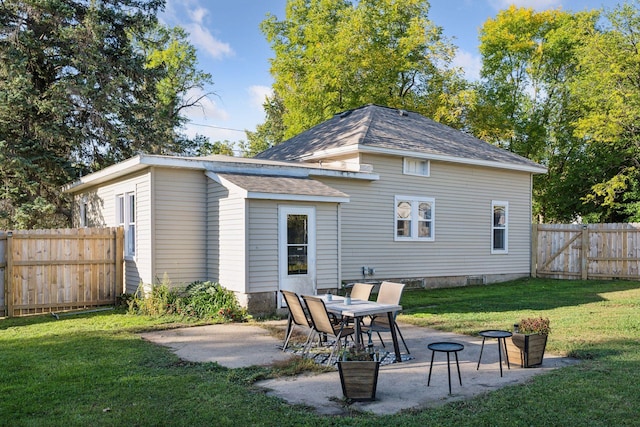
x=412 y=166
x=499 y=227
x=414 y=217
x=126 y=217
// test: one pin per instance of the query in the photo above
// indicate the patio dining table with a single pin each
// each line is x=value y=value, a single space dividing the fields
x=360 y=308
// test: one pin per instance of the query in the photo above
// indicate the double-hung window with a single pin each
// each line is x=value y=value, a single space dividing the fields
x=126 y=217
x=414 y=218
x=499 y=227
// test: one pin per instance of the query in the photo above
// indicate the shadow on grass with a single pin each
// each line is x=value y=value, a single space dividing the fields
x=523 y=294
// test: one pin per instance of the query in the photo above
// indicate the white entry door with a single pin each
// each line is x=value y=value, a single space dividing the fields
x=297 y=250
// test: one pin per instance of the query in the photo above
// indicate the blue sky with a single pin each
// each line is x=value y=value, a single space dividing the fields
x=231 y=47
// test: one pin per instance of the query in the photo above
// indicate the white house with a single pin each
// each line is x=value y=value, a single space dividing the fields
x=373 y=193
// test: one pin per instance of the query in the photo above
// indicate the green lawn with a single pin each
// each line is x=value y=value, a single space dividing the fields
x=93 y=369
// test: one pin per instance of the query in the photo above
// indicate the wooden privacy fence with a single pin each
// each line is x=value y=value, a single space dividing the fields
x=43 y=271
x=586 y=251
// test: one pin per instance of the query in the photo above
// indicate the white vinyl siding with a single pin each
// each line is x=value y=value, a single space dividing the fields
x=462 y=247
x=180 y=219
x=263 y=244
x=102 y=211
x=232 y=258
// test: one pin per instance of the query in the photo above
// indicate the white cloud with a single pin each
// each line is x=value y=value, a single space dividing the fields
x=202 y=38
x=197 y=15
x=258 y=94
x=534 y=4
x=193 y=18
x=470 y=63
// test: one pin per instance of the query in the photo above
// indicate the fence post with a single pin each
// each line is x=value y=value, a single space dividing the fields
x=534 y=250
x=8 y=283
x=584 y=253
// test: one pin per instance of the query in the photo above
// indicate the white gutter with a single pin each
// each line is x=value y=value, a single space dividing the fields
x=318 y=155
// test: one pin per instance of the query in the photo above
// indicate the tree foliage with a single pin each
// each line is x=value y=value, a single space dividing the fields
x=333 y=55
x=84 y=84
x=527 y=104
x=607 y=91
x=269 y=133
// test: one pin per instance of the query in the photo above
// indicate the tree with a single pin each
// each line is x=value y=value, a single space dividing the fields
x=269 y=133
x=524 y=103
x=333 y=55
x=176 y=85
x=84 y=84
x=219 y=147
x=608 y=91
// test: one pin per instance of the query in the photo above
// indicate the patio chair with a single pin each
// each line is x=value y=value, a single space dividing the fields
x=322 y=324
x=297 y=317
x=390 y=293
x=361 y=291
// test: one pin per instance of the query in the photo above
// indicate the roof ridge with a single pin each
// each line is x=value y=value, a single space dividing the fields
x=367 y=126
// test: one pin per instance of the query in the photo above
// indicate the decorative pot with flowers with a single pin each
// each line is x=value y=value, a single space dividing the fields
x=358 y=369
x=529 y=341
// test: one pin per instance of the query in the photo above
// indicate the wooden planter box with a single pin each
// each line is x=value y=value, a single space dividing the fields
x=527 y=349
x=359 y=379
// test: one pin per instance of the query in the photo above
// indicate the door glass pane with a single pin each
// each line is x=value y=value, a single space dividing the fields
x=297 y=242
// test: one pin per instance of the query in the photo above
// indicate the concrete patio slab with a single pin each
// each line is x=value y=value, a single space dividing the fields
x=401 y=386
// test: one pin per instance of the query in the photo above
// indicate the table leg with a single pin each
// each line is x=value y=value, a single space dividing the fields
x=500 y=356
x=481 y=350
x=358 y=331
x=433 y=353
x=458 y=365
x=449 y=371
x=394 y=337
x=506 y=352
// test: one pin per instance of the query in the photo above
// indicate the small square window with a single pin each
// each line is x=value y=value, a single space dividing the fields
x=413 y=166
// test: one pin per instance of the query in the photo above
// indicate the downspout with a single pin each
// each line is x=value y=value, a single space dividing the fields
x=339 y=243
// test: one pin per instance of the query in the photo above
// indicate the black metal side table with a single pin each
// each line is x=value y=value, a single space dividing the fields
x=502 y=343
x=445 y=347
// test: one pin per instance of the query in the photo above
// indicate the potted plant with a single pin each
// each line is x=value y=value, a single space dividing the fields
x=529 y=341
x=358 y=369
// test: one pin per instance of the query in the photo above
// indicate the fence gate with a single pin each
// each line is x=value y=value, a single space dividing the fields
x=586 y=251
x=54 y=270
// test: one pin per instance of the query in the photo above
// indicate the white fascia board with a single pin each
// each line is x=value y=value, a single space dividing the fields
x=272 y=196
x=345 y=174
x=318 y=155
x=132 y=165
x=340 y=151
x=219 y=164
x=452 y=159
x=297 y=197
x=228 y=184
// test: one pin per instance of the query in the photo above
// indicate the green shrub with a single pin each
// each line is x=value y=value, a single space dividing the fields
x=210 y=300
x=199 y=300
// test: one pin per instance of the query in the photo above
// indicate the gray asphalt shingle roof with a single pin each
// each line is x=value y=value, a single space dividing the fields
x=389 y=128
x=282 y=185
